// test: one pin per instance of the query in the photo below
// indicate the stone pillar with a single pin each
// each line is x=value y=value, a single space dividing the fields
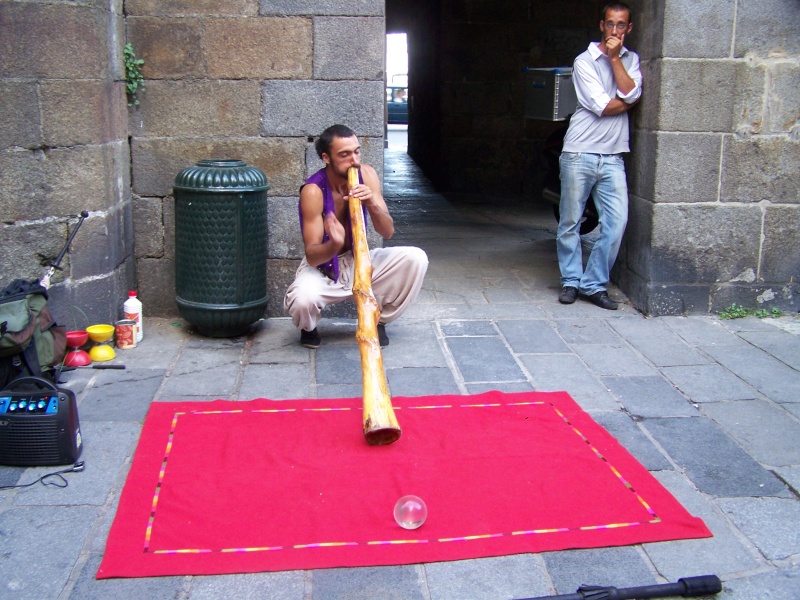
x=715 y=166
x=63 y=149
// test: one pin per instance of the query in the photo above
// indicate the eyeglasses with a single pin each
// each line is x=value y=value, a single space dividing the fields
x=617 y=26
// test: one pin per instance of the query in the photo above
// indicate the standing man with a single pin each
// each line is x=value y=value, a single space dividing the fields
x=608 y=83
x=325 y=275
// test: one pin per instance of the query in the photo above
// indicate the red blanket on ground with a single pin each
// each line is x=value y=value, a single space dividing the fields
x=263 y=485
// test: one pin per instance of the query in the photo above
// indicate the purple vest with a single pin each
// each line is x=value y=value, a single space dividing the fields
x=320 y=179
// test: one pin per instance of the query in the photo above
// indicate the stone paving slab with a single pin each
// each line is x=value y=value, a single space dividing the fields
x=771 y=523
x=649 y=397
x=613 y=359
x=528 y=337
x=771 y=585
x=758 y=368
x=655 y=340
x=47 y=541
x=764 y=430
x=88 y=588
x=482 y=359
x=725 y=552
x=620 y=567
x=516 y=576
x=782 y=345
x=713 y=462
x=557 y=372
x=276 y=381
x=629 y=434
x=709 y=383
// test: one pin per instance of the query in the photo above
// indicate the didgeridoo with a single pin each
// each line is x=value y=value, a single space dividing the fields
x=380 y=424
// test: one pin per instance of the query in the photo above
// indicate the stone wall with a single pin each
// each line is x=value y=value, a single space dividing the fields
x=715 y=168
x=63 y=149
x=713 y=172
x=255 y=81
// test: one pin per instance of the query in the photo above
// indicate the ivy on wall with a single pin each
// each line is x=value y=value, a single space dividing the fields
x=134 y=81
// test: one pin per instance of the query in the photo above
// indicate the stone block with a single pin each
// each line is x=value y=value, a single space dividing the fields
x=363 y=8
x=100 y=298
x=730 y=95
x=156 y=162
x=20 y=122
x=155 y=279
x=26 y=246
x=647 y=37
x=57 y=181
x=148 y=227
x=83 y=112
x=698 y=29
x=99 y=246
x=181 y=8
x=760 y=168
x=349 y=48
x=641 y=166
x=170 y=48
x=784 y=102
x=259 y=48
x=56 y=41
x=645 y=115
x=285 y=240
x=783 y=296
x=780 y=252
x=767 y=28
x=301 y=108
x=704 y=243
x=635 y=252
x=687 y=167
x=198 y=108
x=280 y=274
x=663 y=299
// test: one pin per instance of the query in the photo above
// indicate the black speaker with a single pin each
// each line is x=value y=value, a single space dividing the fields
x=38 y=427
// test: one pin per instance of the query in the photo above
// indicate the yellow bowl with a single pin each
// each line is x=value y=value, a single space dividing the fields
x=101 y=353
x=100 y=333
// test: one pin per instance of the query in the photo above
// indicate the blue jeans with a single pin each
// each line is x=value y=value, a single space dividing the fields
x=603 y=177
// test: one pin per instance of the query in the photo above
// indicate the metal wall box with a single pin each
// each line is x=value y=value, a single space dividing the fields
x=549 y=93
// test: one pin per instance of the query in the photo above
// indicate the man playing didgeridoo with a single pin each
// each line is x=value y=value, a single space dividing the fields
x=325 y=275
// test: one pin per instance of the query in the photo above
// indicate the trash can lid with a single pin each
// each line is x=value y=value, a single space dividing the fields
x=221 y=175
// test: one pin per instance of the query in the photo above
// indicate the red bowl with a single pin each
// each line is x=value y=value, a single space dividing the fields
x=76 y=339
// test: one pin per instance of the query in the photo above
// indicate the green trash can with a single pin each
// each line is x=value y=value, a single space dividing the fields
x=221 y=246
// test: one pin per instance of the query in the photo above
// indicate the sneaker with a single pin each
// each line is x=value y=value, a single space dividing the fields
x=383 y=339
x=602 y=300
x=310 y=339
x=568 y=294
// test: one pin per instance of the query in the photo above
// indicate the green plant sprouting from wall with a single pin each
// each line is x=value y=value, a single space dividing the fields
x=134 y=81
x=735 y=311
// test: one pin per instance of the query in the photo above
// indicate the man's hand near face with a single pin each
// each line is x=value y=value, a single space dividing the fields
x=614 y=46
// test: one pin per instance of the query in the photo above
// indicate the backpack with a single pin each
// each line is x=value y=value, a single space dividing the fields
x=31 y=343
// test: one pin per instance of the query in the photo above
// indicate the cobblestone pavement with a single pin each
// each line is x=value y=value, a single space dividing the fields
x=710 y=407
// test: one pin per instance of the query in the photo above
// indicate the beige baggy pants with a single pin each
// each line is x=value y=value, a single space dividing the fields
x=397 y=275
